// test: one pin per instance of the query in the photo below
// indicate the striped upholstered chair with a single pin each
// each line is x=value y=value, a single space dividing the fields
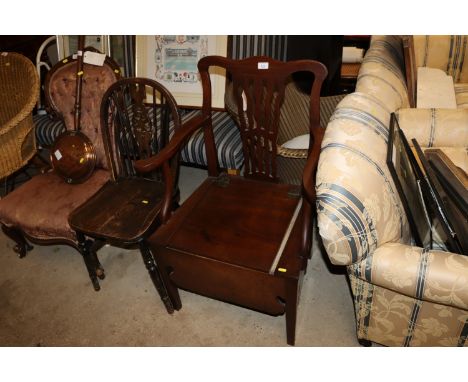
x=403 y=295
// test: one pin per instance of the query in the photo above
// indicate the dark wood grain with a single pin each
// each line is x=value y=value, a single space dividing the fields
x=128 y=208
x=244 y=240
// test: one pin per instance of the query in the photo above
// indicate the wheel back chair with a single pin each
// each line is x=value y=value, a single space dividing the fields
x=38 y=210
x=114 y=205
x=19 y=91
x=136 y=115
x=243 y=239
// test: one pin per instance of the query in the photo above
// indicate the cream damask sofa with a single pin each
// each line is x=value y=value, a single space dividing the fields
x=403 y=295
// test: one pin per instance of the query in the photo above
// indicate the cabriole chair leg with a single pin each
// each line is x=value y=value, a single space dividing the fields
x=22 y=247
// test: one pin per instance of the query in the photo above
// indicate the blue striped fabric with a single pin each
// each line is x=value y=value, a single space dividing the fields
x=243 y=46
x=47 y=129
x=227 y=140
x=226 y=133
x=419 y=295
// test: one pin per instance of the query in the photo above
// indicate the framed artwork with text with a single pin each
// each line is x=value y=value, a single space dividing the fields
x=172 y=60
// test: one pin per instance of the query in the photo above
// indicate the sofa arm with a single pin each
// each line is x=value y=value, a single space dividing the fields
x=436 y=276
x=358 y=207
x=435 y=127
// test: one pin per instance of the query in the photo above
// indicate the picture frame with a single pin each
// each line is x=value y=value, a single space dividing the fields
x=407 y=177
x=68 y=44
x=172 y=61
x=442 y=207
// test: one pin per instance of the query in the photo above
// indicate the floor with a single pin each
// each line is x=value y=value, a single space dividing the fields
x=46 y=299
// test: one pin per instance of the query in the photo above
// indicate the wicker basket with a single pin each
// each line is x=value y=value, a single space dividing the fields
x=19 y=91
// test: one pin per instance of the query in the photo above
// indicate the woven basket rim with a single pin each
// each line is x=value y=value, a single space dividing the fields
x=292 y=153
x=31 y=98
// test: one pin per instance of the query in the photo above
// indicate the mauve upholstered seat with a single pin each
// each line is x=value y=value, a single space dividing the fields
x=41 y=206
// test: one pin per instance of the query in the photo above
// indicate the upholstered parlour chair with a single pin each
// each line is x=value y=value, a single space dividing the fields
x=38 y=210
x=244 y=239
x=19 y=91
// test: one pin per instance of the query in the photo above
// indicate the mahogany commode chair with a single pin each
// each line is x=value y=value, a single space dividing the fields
x=243 y=239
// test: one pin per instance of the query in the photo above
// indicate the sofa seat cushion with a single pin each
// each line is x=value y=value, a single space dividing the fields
x=461 y=95
x=41 y=206
x=435 y=89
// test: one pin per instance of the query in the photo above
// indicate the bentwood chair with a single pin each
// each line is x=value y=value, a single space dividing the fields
x=136 y=114
x=244 y=239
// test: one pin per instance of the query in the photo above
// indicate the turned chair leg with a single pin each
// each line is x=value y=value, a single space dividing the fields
x=22 y=246
x=155 y=275
x=172 y=290
x=291 y=310
x=90 y=258
x=94 y=247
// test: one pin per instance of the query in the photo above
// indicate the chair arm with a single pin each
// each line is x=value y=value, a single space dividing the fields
x=308 y=177
x=179 y=137
x=435 y=127
x=436 y=276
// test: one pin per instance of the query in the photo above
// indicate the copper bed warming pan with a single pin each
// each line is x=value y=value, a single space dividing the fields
x=73 y=156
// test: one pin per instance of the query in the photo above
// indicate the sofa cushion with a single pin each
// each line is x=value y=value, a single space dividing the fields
x=447 y=53
x=461 y=95
x=435 y=89
x=435 y=127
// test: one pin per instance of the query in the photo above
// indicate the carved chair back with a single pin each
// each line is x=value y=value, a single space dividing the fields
x=60 y=92
x=138 y=116
x=259 y=87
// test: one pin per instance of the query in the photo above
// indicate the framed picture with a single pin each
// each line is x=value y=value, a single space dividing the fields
x=67 y=45
x=444 y=209
x=407 y=177
x=172 y=60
